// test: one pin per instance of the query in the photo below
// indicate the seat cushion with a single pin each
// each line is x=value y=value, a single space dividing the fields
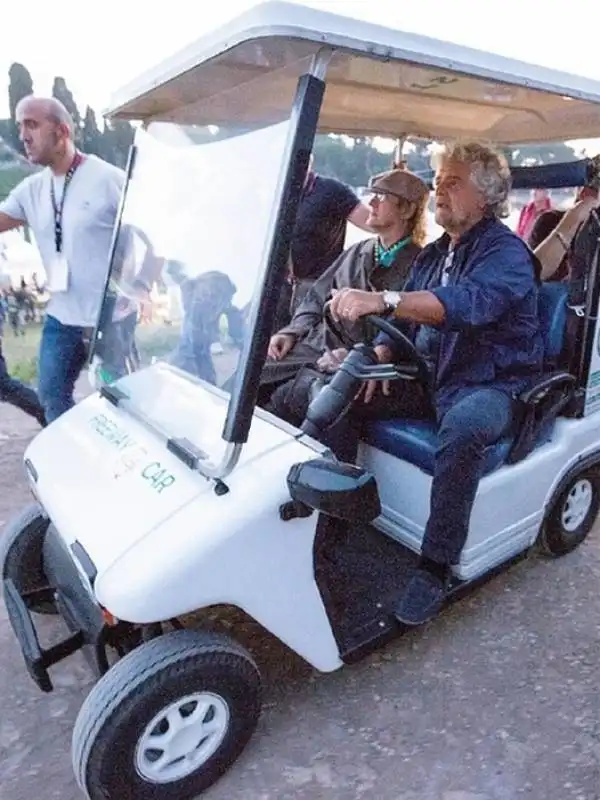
x=416 y=442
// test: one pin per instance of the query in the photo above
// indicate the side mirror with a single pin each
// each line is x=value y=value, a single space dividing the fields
x=340 y=490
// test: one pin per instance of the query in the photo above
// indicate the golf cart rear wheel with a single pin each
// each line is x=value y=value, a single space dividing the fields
x=21 y=555
x=572 y=515
x=168 y=720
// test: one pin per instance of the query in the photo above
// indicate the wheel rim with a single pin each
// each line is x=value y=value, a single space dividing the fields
x=577 y=505
x=182 y=737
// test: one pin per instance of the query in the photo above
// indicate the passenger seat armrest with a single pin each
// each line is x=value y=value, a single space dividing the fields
x=539 y=407
x=549 y=383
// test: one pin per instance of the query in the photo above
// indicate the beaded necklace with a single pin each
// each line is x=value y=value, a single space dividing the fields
x=385 y=256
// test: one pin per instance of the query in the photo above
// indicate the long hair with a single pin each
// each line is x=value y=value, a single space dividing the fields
x=417 y=222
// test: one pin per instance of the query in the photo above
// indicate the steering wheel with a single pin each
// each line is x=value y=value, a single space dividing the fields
x=408 y=351
x=407 y=347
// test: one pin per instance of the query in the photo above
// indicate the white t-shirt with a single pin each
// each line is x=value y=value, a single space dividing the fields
x=88 y=219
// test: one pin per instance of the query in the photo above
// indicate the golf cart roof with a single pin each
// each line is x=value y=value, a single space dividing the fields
x=380 y=81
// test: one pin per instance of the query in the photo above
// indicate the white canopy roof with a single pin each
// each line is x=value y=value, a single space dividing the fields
x=380 y=82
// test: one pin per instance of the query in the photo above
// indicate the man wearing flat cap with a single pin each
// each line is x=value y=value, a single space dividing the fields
x=398 y=206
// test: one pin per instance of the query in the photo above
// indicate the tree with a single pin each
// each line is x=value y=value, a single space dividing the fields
x=531 y=154
x=61 y=92
x=91 y=138
x=117 y=138
x=19 y=86
x=6 y=131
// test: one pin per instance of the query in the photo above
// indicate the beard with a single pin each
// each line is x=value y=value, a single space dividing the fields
x=53 y=149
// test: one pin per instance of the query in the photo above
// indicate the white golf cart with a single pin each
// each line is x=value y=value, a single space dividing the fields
x=162 y=494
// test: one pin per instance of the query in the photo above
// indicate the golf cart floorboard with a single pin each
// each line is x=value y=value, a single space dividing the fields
x=361 y=574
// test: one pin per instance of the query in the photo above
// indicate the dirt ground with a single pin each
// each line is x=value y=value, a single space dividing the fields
x=496 y=700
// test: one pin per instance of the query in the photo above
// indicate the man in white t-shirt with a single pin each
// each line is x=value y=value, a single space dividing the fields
x=71 y=206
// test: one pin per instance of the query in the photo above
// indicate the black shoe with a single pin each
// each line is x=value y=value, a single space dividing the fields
x=422 y=600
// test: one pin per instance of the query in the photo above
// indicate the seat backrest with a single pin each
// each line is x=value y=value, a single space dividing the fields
x=552 y=311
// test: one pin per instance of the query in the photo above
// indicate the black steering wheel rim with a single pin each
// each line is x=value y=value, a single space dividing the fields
x=385 y=326
x=338 y=329
x=408 y=350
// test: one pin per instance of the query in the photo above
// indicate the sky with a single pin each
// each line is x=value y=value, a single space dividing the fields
x=98 y=53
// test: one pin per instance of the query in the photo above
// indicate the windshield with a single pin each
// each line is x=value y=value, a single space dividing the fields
x=188 y=259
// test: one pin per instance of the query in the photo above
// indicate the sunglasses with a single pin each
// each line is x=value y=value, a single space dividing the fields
x=379 y=195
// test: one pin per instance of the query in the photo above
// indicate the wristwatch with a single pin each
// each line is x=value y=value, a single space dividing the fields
x=391 y=300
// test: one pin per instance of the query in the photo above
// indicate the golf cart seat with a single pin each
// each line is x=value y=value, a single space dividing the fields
x=416 y=441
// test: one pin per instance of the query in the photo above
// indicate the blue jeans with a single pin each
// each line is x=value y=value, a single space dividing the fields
x=476 y=418
x=62 y=357
x=63 y=353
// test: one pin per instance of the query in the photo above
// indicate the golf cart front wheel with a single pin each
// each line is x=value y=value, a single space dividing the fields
x=572 y=515
x=167 y=720
x=21 y=556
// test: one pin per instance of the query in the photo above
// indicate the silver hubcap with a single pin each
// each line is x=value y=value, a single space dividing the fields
x=182 y=737
x=577 y=505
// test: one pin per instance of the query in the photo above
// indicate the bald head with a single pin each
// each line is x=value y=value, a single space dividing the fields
x=49 y=108
x=47 y=131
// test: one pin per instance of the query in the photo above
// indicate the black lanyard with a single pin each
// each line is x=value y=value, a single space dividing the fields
x=58 y=209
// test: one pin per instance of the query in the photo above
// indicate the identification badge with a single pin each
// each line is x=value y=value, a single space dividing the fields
x=58 y=279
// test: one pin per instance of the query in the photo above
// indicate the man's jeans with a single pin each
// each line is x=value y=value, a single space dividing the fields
x=62 y=357
x=477 y=417
x=63 y=353
x=17 y=394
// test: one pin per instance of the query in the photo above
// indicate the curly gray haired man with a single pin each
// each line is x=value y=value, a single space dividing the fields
x=470 y=307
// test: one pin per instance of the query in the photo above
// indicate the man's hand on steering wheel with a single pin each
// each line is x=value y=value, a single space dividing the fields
x=384 y=356
x=351 y=304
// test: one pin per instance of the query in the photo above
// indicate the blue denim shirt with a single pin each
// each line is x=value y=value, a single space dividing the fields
x=491 y=334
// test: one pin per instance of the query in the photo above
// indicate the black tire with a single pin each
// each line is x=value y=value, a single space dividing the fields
x=117 y=713
x=21 y=556
x=563 y=529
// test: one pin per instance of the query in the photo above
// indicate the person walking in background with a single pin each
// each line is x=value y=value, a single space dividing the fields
x=71 y=205
x=13 y=312
x=540 y=202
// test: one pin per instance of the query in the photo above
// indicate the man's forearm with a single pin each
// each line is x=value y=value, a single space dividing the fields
x=9 y=223
x=421 y=307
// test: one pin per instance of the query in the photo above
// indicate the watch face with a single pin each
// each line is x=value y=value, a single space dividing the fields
x=391 y=299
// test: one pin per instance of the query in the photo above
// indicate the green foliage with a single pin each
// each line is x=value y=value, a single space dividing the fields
x=528 y=155
x=91 y=136
x=61 y=92
x=352 y=160
x=9 y=178
x=20 y=85
x=355 y=160
x=111 y=143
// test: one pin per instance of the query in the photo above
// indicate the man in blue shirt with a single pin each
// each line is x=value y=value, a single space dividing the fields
x=471 y=308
